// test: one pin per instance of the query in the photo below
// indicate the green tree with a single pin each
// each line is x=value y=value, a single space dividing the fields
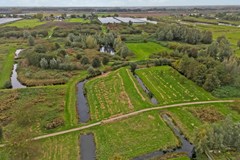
x=212 y=82
x=39 y=16
x=44 y=63
x=96 y=62
x=53 y=63
x=31 y=41
x=91 y=42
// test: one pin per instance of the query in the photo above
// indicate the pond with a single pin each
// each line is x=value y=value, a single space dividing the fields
x=185 y=147
x=87 y=147
x=14 y=80
x=82 y=105
x=107 y=49
x=152 y=98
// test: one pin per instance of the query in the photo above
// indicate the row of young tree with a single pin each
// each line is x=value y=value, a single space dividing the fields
x=174 y=32
x=212 y=68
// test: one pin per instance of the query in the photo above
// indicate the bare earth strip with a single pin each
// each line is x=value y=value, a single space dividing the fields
x=120 y=117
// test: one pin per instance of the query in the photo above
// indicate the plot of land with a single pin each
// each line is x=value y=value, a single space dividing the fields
x=79 y=20
x=38 y=108
x=28 y=23
x=142 y=51
x=168 y=86
x=134 y=137
x=116 y=93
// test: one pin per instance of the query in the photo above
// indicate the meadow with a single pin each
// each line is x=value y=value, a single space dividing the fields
x=77 y=20
x=26 y=23
x=133 y=137
x=43 y=110
x=142 y=51
x=115 y=93
x=168 y=86
x=6 y=64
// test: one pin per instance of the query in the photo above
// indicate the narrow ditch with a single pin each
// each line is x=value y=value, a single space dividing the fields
x=186 y=146
x=87 y=147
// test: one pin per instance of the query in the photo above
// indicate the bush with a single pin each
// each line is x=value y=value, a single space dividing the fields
x=54 y=123
x=85 y=61
x=31 y=41
x=79 y=56
x=53 y=63
x=105 y=60
x=8 y=84
x=96 y=62
x=40 y=49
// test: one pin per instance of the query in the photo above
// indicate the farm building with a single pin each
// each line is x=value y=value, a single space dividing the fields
x=125 y=20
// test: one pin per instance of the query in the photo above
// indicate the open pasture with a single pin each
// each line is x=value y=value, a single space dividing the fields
x=78 y=20
x=134 y=137
x=142 y=51
x=115 y=93
x=168 y=86
x=26 y=23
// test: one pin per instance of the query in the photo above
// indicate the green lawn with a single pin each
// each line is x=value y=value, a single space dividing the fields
x=115 y=94
x=142 y=51
x=133 y=137
x=79 y=20
x=168 y=86
x=26 y=23
x=6 y=64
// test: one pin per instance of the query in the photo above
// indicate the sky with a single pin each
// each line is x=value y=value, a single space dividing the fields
x=100 y=3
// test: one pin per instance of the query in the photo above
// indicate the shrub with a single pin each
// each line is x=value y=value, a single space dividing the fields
x=105 y=60
x=78 y=56
x=53 y=63
x=31 y=41
x=96 y=62
x=40 y=49
x=44 y=63
x=85 y=61
x=54 y=123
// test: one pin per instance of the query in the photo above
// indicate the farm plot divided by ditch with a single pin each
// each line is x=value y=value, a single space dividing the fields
x=113 y=94
x=168 y=86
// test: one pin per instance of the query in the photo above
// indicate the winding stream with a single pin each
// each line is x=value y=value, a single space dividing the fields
x=186 y=146
x=87 y=147
x=152 y=98
x=14 y=81
x=82 y=105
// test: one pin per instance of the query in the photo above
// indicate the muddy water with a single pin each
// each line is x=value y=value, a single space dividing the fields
x=153 y=99
x=87 y=147
x=14 y=81
x=107 y=49
x=186 y=146
x=82 y=105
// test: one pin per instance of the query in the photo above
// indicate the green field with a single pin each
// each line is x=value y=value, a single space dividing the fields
x=134 y=137
x=168 y=86
x=26 y=23
x=142 y=51
x=116 y=93
x=6 y=64
x=78 y=20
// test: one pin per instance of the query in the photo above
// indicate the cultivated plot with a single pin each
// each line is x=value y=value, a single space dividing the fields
x=115 y=93
x=168 y=86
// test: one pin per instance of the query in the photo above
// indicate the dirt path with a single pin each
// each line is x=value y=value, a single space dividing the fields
x=120 y=117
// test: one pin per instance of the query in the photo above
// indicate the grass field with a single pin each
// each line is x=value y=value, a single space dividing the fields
x=142 y=51
x=26 y=23
x=32 y=108
x=6 y=63
x=60 y=147
x=79 y=20
x=134 y=137
x=116 y=93
x=168 y=86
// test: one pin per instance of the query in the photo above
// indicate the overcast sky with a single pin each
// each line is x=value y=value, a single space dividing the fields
x=79 y=3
